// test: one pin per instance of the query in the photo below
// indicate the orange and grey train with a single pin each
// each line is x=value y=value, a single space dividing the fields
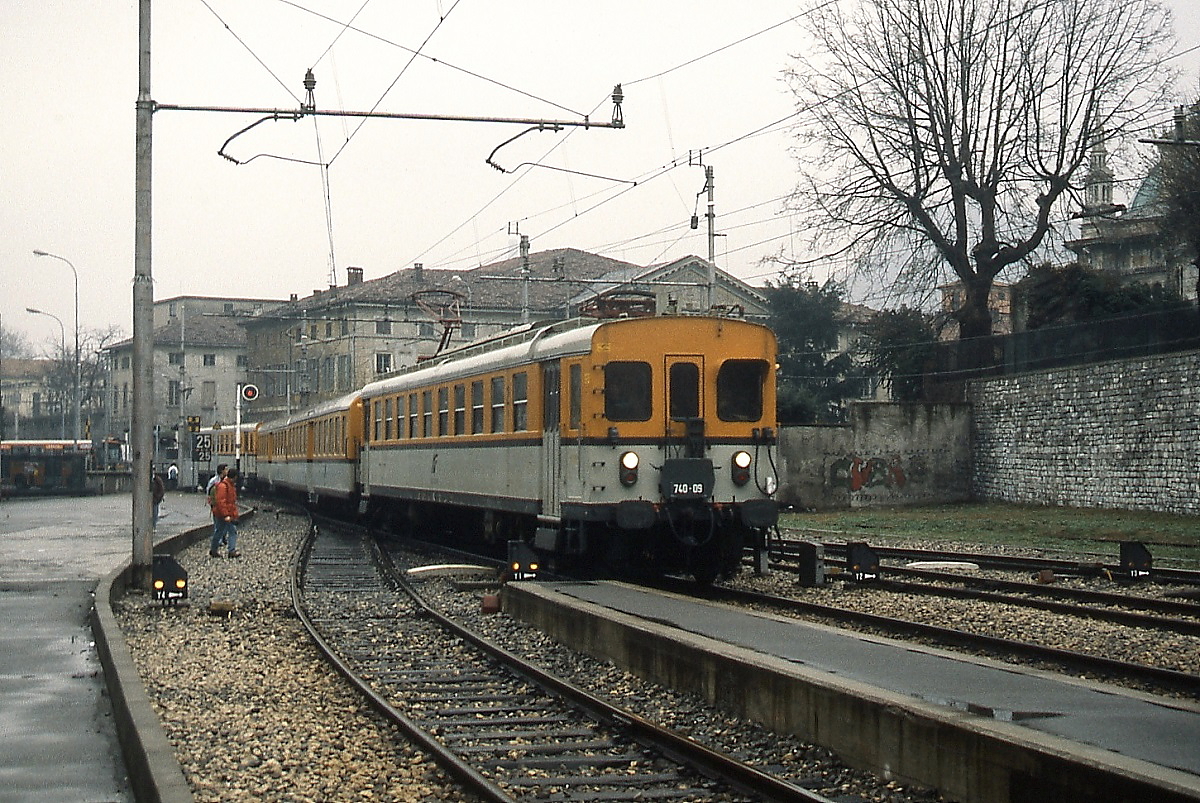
x=633 y=445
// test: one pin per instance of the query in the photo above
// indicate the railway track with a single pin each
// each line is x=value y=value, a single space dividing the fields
x=501 y=726
x=1028 y=565
x=1124 y=607
x=1153 y=677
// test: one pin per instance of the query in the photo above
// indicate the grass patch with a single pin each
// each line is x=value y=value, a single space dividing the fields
x=1076 y=530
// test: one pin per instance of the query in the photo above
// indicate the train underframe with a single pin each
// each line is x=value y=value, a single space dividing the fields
x=698 y=538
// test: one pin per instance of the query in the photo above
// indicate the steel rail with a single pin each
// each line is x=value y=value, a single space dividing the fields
x=1181 y=681
x=679 y=748
x=458 y=769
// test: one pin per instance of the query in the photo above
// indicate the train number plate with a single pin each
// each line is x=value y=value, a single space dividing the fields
x=687 y=478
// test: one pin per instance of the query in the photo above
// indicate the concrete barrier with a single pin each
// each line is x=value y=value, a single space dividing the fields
x=965 y=757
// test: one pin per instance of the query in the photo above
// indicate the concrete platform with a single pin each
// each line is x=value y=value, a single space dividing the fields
x=57 y=737
x=979 y=730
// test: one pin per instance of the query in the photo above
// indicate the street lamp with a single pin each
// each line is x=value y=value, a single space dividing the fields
x=78 y=400
x=62 y=331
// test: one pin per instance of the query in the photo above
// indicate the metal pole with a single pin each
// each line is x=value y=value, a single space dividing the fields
x=524 y=278
x=712 y=235
x=77 y=429
x=141 y=428
x=62 y=333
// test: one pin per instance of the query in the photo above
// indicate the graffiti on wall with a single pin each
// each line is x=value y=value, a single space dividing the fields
x=858 y=473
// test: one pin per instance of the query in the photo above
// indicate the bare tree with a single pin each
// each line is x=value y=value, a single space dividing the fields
x=14 y=344
x=947 y=131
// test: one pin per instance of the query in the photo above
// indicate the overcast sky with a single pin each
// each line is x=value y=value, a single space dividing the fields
x=698 y=76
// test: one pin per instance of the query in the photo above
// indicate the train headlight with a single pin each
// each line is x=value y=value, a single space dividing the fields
x=629 y=468
x=740 y=468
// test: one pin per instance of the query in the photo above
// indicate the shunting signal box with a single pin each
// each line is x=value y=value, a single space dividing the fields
x=523 y=562
x=862 y=563
x=1135 y=560
x=169 y=580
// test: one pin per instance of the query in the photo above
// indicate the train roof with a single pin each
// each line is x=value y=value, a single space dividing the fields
x=324 y=408
x=528 y=344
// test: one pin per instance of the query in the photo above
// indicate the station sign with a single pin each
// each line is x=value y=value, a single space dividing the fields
x=202 y=447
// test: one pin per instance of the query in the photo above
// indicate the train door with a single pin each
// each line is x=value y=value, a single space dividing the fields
x=551 y=480
x=684 y=389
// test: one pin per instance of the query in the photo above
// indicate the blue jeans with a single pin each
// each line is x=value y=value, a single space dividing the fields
x=223 y=530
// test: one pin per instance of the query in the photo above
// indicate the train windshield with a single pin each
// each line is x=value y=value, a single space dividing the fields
x=740 y=390
x=627 y=391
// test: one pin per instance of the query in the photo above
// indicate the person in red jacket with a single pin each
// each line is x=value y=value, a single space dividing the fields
x=225 y=514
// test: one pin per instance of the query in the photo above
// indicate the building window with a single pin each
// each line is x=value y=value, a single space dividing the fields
x=329 y=329
x=174 y=393
x=327 y=376
x=228 y=308
x=210 y=360
x=425 y=330
x=383 y=363
x=175 y=358
x=125 y=362
x=243 y=361
x=345 y=326
x=383 y=327
x=343 y=372
x=171 y=309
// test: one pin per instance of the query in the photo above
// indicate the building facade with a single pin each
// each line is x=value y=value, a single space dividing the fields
x=1130 y=241
x=317 y=348
x=199 y=361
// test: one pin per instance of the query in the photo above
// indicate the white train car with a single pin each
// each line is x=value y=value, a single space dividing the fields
x=314 y=454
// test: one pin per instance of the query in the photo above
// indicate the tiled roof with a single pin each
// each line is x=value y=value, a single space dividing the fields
x=497 y=285
x=220 y=331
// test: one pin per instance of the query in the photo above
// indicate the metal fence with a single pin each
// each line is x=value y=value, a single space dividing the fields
x=1143 y=335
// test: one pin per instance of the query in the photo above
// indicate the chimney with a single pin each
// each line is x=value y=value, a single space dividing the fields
x=419 y=271
x=292 y=297
x=353 y=276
